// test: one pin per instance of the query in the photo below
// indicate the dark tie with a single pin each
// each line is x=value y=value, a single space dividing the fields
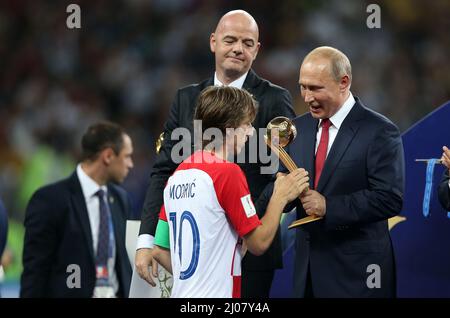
x=103 y=232
x=321 y=154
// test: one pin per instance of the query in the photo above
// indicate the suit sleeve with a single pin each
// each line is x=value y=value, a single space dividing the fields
x=383 y=197
x=162 y=170
x=281 y=106
x=40 y=244
x=444 y=191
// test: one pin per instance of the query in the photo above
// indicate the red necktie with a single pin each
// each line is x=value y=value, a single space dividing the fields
x=321 y=154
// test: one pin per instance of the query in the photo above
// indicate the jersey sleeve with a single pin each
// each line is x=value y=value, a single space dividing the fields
x=162 y=236
x=162 y=213
x=234 y=197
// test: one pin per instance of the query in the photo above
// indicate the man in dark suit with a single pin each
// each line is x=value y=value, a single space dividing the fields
x=235 y=45
x=75 y=228
x=355 y=159
x=444 y=186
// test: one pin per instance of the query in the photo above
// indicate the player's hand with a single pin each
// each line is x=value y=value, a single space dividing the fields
x=289 y=187
x=143 y=261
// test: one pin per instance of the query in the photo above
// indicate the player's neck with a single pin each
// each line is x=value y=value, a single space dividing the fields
x=219 y=152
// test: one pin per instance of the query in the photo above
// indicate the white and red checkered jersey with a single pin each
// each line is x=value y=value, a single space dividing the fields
x=208 y=206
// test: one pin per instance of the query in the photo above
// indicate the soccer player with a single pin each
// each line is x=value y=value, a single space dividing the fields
x=207 y=204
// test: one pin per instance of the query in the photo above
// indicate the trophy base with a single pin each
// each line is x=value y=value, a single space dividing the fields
x=305 y=220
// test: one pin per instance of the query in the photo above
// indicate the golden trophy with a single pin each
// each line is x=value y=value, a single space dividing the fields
x=280 y=132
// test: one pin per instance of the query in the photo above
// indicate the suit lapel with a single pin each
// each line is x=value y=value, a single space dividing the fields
x=119 y=235
x=79 y=205
x=251 y=81
x=114 y=206
x=343 y=139
x=208 y=82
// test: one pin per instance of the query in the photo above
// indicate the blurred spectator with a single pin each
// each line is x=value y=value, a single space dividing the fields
x=75 y=228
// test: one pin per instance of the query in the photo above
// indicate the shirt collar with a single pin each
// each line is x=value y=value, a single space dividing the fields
x=237 y=83
x=338 y=118
x=88 y=185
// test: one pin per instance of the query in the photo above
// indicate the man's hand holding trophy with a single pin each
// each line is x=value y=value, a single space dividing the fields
x=280 y=132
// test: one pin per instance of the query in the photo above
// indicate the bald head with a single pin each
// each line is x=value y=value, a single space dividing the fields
x=339 y=64
x=238 y=18
x=235 y=45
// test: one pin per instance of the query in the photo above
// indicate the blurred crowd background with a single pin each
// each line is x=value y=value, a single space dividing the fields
x=130 y=56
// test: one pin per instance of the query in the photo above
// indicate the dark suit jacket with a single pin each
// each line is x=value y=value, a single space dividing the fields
x=58 y=233
x=362 y=182
x=444 y=191
x=273 y=101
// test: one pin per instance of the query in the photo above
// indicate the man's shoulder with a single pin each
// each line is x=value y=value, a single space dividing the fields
x=194 y=88
x=300 y=119
x=117 y=189
x=55 y=194
x=373 y=117
x=121 y=194
x=272 y=86
x=267 y=86
x=60 y=187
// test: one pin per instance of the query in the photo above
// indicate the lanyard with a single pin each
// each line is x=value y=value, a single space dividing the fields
x=429 y=187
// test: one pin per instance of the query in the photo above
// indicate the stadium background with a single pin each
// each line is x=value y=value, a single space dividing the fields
x=130 y=56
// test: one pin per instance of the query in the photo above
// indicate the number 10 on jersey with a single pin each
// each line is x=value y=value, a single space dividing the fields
x=177 y=244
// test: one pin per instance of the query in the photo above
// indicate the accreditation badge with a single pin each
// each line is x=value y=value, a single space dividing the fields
x=104 y=292
x=101 y=272
x=102 y=287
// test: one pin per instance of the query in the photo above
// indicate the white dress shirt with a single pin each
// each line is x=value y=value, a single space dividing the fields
x=146 y=240
x=90 y=188
x=236 y=83
x=336 y=121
